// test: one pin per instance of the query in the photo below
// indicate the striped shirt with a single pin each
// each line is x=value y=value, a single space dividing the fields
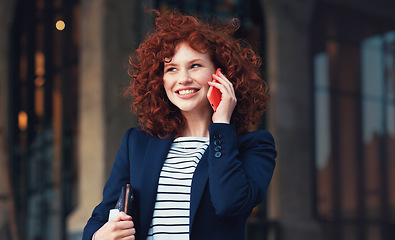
x=171 y=213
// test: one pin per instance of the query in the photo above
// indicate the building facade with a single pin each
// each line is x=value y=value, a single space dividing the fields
x=330 y=65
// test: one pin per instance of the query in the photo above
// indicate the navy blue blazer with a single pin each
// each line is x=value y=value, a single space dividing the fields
x=230 y=180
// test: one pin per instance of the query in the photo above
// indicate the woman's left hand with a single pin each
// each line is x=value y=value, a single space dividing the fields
x=228 y=99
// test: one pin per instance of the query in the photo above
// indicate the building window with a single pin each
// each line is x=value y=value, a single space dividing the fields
x=354 y=106
x=378 y=126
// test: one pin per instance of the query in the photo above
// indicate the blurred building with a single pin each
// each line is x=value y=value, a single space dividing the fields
x=331 y=68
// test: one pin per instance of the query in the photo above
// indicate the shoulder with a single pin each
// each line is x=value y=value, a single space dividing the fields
x=257 y=135
x=137 y=133
x=256 y=139
x=137 y=136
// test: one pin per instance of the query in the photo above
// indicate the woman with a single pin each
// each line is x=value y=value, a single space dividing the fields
x=196 y=173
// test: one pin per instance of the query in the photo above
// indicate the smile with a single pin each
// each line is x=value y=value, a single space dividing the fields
x=187 y=92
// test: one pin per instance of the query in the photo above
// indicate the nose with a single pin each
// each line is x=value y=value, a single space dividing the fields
x=185 y=77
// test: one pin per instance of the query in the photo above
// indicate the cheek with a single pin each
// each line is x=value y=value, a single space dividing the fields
x=205 y=88
x=205 y=79
x=167 y=84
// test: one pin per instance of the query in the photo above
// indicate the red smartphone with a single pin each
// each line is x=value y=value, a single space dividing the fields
x=214 y=94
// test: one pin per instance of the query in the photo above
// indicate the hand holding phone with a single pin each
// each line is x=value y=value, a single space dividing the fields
x=214 y=94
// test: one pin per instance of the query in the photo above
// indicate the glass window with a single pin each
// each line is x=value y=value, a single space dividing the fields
x=354 y=87
x=322 y=133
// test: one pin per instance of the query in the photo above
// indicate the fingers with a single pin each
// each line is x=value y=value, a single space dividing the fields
x=125 y=225
x=123 y=221
x=228 y=102
x=129 y=238
x=224 y=82
x=121 y=216
x=116 y=230
x=127 y=234
x=225 y=86
x=125 y=217
x=120 y=227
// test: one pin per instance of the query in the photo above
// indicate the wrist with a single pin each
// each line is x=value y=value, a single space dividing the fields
x=217 y=119
x=222 y=121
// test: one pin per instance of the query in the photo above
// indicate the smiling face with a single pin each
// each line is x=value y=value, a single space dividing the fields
x=186 y=77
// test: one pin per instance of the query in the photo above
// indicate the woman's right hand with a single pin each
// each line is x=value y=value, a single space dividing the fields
x=120 y=227
x=228 y=99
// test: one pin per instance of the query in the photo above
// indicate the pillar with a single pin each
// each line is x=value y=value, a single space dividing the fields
x=109 y=34
x=8 y=225
x=290 y=117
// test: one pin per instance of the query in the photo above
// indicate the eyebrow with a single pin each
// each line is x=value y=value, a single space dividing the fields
x=169 y=63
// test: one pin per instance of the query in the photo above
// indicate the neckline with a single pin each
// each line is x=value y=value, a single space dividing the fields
x=200 y=142
x=192 y=138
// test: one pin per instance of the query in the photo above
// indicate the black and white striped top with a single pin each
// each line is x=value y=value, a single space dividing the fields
x=171 y=214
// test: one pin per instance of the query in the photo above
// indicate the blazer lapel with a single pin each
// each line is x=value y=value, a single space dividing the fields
x=199 y=182
x=155 y=156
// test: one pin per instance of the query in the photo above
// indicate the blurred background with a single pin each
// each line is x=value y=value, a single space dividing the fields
x=330 y=65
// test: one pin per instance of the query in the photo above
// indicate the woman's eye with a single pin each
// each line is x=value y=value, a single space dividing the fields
x=195 y=65
x=170 y=70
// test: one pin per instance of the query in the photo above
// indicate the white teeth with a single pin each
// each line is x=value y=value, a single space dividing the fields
x=186 y=92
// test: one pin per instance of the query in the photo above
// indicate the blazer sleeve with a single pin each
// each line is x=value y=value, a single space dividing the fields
x=240 y=170
x=119 y=177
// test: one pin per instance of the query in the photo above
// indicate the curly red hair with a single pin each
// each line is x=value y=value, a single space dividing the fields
x=240 y=64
